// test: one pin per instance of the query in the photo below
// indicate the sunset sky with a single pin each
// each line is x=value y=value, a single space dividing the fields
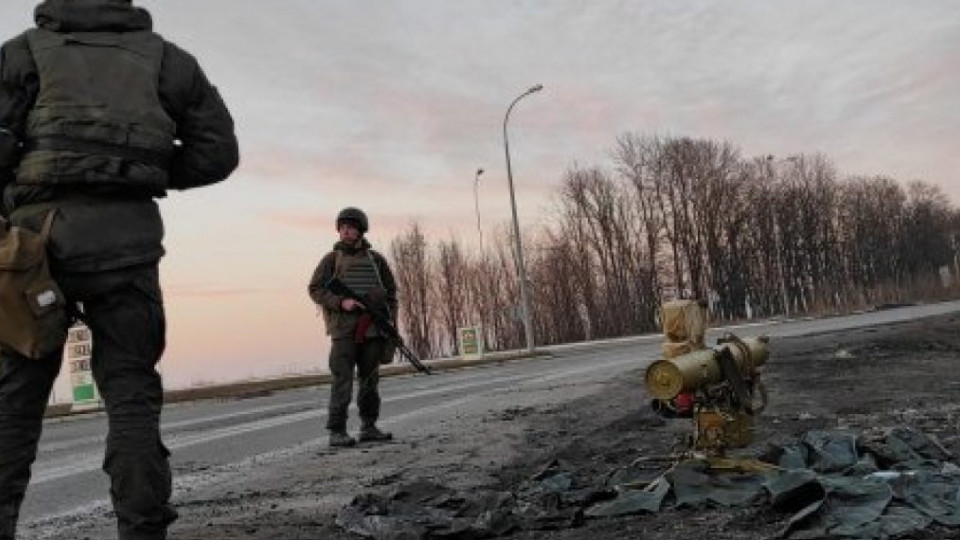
x=393 y=105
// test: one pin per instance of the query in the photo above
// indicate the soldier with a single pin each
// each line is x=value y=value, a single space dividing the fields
x=98 y=117
x=356 y=343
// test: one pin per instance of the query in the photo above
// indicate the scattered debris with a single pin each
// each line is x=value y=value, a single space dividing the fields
x=829 y=483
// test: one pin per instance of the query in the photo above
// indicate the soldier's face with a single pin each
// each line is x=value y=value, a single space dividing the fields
x=348 y=233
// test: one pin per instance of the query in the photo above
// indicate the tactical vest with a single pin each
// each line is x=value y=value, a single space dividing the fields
x=359 y=271
x=97 y=116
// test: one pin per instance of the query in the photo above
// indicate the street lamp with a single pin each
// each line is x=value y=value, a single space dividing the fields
x=476 y=199
x=524 y=294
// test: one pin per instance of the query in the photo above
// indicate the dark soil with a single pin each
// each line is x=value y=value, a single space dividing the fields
x=870 y=379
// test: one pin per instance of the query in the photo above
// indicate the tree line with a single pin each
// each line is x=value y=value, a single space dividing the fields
x=678 y=217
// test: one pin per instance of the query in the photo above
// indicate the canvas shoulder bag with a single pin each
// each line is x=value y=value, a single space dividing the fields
x=33 y=315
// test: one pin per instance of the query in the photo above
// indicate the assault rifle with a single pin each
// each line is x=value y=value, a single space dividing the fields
x=379 y=314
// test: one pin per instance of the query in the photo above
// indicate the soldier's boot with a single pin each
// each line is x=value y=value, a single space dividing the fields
x=8 y=531
x=370 y=433
x=340 y=439
x=8 y=522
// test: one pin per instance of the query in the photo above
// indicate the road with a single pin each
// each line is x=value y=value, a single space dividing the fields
x=217 y=440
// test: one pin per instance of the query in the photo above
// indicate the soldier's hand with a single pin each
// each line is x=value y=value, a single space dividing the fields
x=349 y=304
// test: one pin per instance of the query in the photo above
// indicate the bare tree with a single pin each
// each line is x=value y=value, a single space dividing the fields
x=411 y=269
x=679 y=217
x=639 y=162
x=452 y=291
x=925 y=246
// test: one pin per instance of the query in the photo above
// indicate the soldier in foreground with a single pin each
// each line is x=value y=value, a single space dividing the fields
x=99 y=116
x=357 y=344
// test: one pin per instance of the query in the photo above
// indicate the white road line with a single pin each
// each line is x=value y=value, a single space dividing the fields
x=209 y=477
x=86 y=462
x=169 y=426
x=50 y=525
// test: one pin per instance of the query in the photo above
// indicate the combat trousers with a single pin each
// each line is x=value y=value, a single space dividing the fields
x=346 y=356
x=124 y=312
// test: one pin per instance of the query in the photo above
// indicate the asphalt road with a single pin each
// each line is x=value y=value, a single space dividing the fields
x=213 y=439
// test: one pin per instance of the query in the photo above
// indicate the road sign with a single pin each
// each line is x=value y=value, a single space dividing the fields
x=79 y=348
x=471 y=341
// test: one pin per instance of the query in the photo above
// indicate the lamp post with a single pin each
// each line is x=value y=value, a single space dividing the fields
x=524 y=293
x=476 y=200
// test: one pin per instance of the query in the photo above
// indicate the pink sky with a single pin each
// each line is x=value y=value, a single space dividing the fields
x=392 y=106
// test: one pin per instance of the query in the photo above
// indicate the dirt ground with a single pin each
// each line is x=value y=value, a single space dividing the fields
x=901 y=374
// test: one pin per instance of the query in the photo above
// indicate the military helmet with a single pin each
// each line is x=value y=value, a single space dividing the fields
x=354 y=215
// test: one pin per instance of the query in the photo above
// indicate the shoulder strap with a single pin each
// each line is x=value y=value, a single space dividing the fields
x=376 y=267
x=337 y=259
x=48 y=225
x=376 y=270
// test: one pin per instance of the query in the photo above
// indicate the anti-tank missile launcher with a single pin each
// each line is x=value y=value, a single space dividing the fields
x=719 y=387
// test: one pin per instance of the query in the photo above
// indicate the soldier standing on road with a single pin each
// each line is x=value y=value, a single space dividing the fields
x=356 y=343
x=98 y=117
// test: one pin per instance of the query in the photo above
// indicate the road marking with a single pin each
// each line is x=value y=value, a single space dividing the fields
x=620 y=358
x=53 y=522
x=81 y=441
x=89 y=461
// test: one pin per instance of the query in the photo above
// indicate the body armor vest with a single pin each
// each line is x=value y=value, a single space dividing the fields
x=97 y=116
x=359 y=272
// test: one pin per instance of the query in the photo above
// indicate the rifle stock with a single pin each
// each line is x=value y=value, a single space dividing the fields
x=382 y=322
